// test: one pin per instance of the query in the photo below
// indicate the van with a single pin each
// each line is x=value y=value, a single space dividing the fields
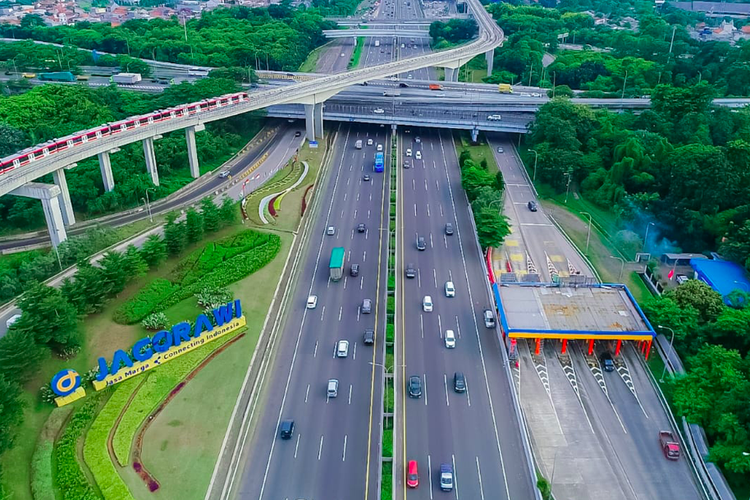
x=333 y=388
x=412 y=474
x=366 y=306
x=489 y=318
x=446 y=477
x=286 y=429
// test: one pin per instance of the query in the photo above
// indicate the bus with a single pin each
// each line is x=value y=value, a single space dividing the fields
x=336 y=264
x=379 y=161
x=197 y=72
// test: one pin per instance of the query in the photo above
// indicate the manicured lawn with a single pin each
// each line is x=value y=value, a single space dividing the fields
x=191 y=428
x=480 y=151
x=386 y=486
x=474 y=70
x=357 y=53
x=311 y=63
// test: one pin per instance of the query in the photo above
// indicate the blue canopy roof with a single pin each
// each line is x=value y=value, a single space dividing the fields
x=722 y=275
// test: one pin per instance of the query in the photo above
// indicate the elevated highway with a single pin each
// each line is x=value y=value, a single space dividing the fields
x=19 y=172
x=385 y=31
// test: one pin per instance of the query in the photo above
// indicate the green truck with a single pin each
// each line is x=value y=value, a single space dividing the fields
x=336 y=265
x=60 y=76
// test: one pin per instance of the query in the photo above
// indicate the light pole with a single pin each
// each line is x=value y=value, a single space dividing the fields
x=148 y=207
x=669 y=352
x=588 y=234
x=536 y=159
x=567 y=187
x=619 y=276
x=645 y=237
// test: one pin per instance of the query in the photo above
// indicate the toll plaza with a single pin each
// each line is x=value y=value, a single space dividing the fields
x=571 y=310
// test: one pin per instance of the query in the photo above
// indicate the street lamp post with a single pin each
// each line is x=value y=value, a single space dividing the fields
x=567 y=187
x=619 y=276
x=645 y=237
x=669 y=352
x=588 y=233
x=536 y=159
x=148 y=207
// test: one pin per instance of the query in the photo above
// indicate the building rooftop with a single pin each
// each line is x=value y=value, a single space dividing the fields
x=722 y=275
x=583 y=312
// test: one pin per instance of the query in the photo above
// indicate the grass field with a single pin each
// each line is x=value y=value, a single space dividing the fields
x=474 y=70
x=190 y=430
x=311 y=63
x=480 y=151
x=357 y=53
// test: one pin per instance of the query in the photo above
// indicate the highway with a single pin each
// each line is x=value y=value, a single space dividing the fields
x=474 y=431
x=593 y=443
x=334 y=452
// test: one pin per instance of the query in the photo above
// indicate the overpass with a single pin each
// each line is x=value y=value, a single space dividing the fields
x=393 y=31
x=19 y=172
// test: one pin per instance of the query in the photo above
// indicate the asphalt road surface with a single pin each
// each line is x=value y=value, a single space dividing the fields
x=592 y=444
x=334 y=452
x=474 y=431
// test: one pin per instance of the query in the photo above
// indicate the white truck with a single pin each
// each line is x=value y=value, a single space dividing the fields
x=126 y=78
x=377 y=43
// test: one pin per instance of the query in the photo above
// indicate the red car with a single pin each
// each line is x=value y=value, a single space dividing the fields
x=412 y=476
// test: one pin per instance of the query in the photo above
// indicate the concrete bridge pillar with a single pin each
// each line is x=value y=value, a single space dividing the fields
x=451 y=74
x=490 y=58
x=310 y=122
x=192 y=150
x=50 y=196
x=148 y=152
x=474 y=135
x=67 y=207
x=105 y=165
x=319 y=120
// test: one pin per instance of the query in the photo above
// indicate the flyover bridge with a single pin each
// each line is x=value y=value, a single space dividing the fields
x=19 y=172
x=386 y=31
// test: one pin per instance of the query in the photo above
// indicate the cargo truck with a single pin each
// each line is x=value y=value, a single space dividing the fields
x=336 y=264
x=391 y=93
x=505 y=88
x=125 y=78
x=669 y=445
x=60 y=76
x=358 y=144
x=435 y=86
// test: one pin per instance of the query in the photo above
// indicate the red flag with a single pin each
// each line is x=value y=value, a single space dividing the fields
x=670 y=275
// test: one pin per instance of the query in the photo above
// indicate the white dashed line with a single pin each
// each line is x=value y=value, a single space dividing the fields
x=307 y=392
x=296 y=446
x=320 y=448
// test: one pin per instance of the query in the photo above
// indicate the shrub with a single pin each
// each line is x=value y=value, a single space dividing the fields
x=145 y=301
x=389 y=332
x=213 y=297
x=155 y=321
x=388 y=443
x=41 y=471
x=70 y=478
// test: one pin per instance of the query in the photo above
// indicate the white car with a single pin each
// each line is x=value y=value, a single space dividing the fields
x=380 y=147
x=331 y=231
x=427 y=304
x=408 y=152
x=342 y=349
x=369 y=142
x=312 y=302
x=378 y=111
x=450 y=339
x=494 y=118
x=224 y=174
x=450 y=290
x=419 y=155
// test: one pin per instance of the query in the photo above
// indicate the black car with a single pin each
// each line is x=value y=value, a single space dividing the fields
x=286 y=429
x=354 y=270
x=411 y=271
x=532 y=206
x=415 y=386
x=297 y=133
x=369 y=337
x=403 y=85
x=366 y=177
x=448 y=228
x=361 y=228
x=459 y=382
x=608 y=364
x=421 y=244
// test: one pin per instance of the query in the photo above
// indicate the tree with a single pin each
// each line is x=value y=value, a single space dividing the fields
x=194 y=226
x=210 y=213
x=20 y=356
x=473 y=178
x=492 y=227
x=114 y=271
x=701 y=297
x=49 y=318
x=175 y=234
x=134 y=264
x=88 y=290
x=228 y=212
x=11 y=140
x=499 y=182
x=11 y=412
x=560 y=91
x=154 y=250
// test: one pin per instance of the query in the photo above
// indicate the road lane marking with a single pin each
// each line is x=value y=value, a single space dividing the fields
x=350 y=394
x=479 y=475
x=355 y=213
x=361 y=282
x=368 y=214
x=434 y=276
x=359 y=312
x=364 y=256
x=432 y=245
x=413 y=185
x=468 y=396
x=445 y=241
x=357 y=196
x=341 y=310
x=455 y=475
x=428 y=214
x=315 y=351
x=343 y=457
x=345 y=196
x=320 y=448
x=458 y=327
x=425 y=184
x=307 y=392
x=440 y=327
x=296 y=446
x=424 y=375
x=445 y=383
x=437 y=185
x=419 y=278
x=415 y=210
x=322 y=313
x=429 y=473
x=344 y=289
x=354 y=352
x=421 y=325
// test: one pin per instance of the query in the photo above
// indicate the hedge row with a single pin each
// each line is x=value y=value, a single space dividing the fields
x=95 y=450
x=70 y=478
x=161 y=381
x=143 y=302
x=217 y=264
x=42 y=486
